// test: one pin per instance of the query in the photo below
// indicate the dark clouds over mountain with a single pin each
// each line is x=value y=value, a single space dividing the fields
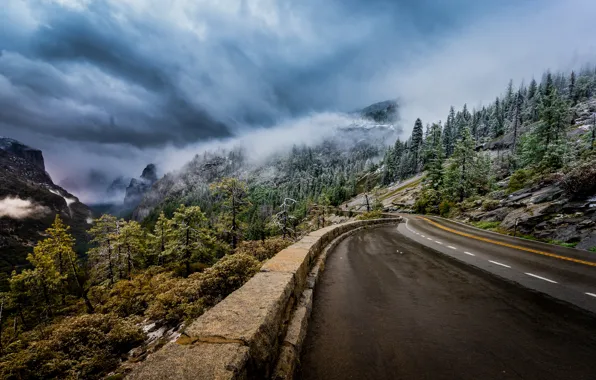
x=110 y=83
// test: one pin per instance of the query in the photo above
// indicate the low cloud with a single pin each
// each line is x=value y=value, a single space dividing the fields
x=17 y=208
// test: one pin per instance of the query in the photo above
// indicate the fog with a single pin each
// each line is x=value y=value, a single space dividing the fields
x=17 y=208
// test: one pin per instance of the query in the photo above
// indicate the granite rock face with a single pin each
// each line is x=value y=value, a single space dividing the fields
x=29 y=202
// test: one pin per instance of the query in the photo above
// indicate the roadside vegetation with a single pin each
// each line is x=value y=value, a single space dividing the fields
x=69 y=317
x=536 y=135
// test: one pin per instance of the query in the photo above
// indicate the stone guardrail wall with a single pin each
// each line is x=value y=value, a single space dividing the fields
x=257 y=331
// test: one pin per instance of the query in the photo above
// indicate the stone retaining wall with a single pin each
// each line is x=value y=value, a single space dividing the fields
x=257 y=331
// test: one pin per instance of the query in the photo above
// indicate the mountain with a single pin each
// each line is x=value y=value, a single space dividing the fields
x=382 y=112
x=29 y=201
x=139 y=186
x=303 y=171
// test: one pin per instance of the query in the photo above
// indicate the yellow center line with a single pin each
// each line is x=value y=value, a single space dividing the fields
x=584 y=262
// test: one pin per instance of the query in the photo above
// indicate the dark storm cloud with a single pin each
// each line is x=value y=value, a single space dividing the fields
x=257 y=73
x=98 y=83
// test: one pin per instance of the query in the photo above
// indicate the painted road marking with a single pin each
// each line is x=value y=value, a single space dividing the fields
x=591 y=294
x=590 y=263
x=422 y=235
x=438 y=242
x=429 y=239
x=498 y=263
x=450 y=246
x=468 y=253
x=542 y=278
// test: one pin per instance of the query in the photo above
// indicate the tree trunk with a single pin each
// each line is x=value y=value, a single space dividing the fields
x=110 y=267
x=187 y=252
x=234 y=241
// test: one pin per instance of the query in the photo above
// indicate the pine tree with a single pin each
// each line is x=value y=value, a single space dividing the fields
x=233 y=194
x=459 y=175
x=132 y=244
x=103 y=255
x=60 y=246
x=416 y=145
x=162 y=234
x=190 y=237
x=571 y=96
x=516 y=118
x=449 y=133
x=43 y=282
x=497 y=119
x=436 y=158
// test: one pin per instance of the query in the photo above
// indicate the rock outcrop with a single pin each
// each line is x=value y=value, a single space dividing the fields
x=139 y=186
x=29 y=201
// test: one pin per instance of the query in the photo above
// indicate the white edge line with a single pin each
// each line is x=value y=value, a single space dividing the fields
x=452 y=247
x=468 y=253
x=501 y=264
x=438 y=242
x=591 y=294
x=542 y=278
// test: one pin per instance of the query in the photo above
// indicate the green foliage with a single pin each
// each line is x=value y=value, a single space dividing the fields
x=487 y=225
x=375 y=214
x=190 y=238
x=564 y=244
x=519 y=180
x=82 y=347
x=490 y=204
x=262 y=250
x=445 y=207
x=232 y=195
x=593 y=249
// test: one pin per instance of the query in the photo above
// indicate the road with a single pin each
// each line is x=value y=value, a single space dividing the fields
x=390 y=307
x=564 y=273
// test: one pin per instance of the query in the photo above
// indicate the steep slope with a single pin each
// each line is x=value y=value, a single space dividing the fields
x=29 y=201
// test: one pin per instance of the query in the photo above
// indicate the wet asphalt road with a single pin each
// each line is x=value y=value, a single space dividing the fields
x=388 y=307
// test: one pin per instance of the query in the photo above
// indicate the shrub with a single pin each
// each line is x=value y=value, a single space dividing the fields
x=376 y=214
x=593 y=249
x=445 y=207
x=262 y=250
x=487 y=225
x=580 y=180
x=490 y=204
x=82 y=347
x=519 y=180
x=179 y=299
x=227 y=275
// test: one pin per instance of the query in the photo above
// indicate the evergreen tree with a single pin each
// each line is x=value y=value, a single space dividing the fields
x=233 y=194
x=104 y=256
x=436 y=157
x=571 y=95
x=190 y=237
x=449 y=133
x=416 y=145
x=132 y=242
x=162 y=234
x=460 y=171
x=60 y=246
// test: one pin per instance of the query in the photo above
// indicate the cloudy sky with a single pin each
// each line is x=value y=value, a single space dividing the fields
x=113 y=84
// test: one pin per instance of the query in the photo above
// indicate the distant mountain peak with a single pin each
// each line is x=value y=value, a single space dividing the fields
x=382 y=112
x=17 y=148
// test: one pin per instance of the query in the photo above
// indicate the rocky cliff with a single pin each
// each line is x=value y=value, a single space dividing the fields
x=29 y=201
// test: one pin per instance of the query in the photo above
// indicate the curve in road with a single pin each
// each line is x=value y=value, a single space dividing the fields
x=389 y=307
x=565 y=274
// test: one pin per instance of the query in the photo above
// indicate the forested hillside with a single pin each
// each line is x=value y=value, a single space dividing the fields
x=529 y=157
